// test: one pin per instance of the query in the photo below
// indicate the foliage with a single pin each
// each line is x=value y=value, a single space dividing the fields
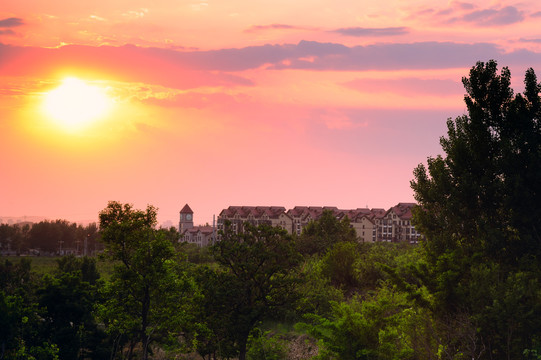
x=320 y=235
x=213 y=320
x=146 y=295
x=14 y=237
x=339 y=265
x=259 y=263
x=68 y=301
x=265 y=346
x=49 y=237
x=316 y=294
x=479 y=210
x=379 y=327
x=482 y=198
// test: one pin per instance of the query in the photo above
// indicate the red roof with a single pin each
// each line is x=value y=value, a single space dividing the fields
x=206 y=229
x=254 y=211
x=186 y=210
x=403 y=210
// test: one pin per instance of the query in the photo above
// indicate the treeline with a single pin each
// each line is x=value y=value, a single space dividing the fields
x=166 y=299
x=49 y=237
x=470 y=290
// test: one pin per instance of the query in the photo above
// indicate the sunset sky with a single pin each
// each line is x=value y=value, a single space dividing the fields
x=234 y=102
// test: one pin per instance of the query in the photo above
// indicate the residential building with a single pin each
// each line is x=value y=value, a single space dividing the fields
x=255 y=215
x=364 y=223
x=371 y=225
x=396 y=226
x=199 y=235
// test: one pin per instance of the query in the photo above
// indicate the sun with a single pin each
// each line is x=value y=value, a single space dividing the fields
x=75 y=104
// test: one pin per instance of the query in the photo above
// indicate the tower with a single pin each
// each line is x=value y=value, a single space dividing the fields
x=186 y=219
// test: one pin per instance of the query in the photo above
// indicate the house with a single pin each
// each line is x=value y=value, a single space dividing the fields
x=199 y=235
x=371 y=225
x=255 y=215
x=396 y=226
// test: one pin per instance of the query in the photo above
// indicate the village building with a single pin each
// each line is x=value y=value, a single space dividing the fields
x=371 y=225
x=199 y=235
x=396 y=225
x=237 y=216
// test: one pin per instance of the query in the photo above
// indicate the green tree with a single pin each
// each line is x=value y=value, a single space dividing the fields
x=320 y=235
x=213 y=317
x=340 y=266
x=379 y=326
x=259 y=262
x=147 y=294
x=479 y=204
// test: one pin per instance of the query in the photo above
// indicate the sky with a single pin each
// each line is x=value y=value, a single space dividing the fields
x=234 y=102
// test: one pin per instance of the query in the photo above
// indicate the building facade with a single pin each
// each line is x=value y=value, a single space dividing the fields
x=255 y=215
x=396 y=226
x=371 y=225
x=199 y=235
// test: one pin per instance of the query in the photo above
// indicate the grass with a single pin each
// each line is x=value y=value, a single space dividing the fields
x=42 y=265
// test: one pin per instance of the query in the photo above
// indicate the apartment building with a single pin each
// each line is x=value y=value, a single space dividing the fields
x=371 y=225
x=255 y=215
x=395 y=225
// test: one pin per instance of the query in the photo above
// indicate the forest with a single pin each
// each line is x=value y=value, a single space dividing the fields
x=469 y=290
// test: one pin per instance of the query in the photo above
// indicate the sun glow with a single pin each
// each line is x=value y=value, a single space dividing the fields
x=75 y=104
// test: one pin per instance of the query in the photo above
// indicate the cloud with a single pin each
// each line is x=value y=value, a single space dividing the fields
x=192 y=69
x=408 y=86
x=460 y=12
x=536 y=14
x=422 y=55
x=11 y=22
x=259 y=28
x=537 y=41
x=7 y=32
x=359 y=31
x=463 y=5
x=493 y=17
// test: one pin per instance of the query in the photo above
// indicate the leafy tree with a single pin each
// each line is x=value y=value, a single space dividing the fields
x=146 y=296
x=316 y=294
x=320 y=235
x=213 y=320
x=479 y=204
x=266 y=346
x=339 y=264
x=68 y=302
x=376 y=327
x=483 y=197
x=259 y=262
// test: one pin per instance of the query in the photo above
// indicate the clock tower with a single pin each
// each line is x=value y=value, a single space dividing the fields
x=186 y=219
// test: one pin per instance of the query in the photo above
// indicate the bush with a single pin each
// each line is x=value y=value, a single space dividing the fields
x=264 y=346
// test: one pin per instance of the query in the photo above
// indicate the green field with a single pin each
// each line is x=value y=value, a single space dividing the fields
x=47 y=264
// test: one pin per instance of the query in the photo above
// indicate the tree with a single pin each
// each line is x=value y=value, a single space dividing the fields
x=479 y=204
x=379 y=326
x=483 y=196
x=258 y=261
x=148 y=289
x=68 y=302
x=320 y=235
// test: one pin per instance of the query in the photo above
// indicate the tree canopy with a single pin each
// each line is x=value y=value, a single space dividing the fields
x=479 y=211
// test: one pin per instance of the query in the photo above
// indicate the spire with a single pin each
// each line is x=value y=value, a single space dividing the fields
x=186 y=210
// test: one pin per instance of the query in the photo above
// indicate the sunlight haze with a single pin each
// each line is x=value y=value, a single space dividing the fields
x=223 y=103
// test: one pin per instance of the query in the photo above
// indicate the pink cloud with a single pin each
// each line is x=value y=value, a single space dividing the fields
x=408 y=86
x=188 y=69
x=260 y=28
x=461 y=12
x=360 y=31
x=11 y=22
